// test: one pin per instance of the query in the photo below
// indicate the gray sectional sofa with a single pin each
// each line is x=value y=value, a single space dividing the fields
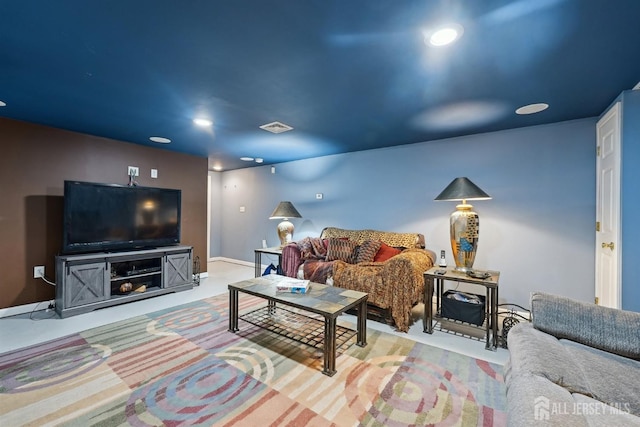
x=576 y=364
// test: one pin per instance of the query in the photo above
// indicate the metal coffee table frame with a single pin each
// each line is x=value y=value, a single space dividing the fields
x=326 y=301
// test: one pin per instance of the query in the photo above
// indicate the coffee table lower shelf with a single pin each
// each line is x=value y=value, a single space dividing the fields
x=321 y=300
x=296 y=326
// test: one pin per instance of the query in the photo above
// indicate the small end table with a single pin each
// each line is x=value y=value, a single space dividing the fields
x=491 y=302
x=276 y=250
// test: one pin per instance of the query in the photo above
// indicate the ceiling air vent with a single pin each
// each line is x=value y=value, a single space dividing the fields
x=276 y=127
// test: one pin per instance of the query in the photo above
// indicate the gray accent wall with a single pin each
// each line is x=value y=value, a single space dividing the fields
x=215 y=216
x=538 y=229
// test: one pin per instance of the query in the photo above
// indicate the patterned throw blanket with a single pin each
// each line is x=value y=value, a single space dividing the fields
x=307 y=249
x=318 y=270
x=313 y=253
x=312 y=248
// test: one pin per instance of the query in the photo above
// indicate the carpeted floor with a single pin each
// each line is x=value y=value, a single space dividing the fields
x=181 y=366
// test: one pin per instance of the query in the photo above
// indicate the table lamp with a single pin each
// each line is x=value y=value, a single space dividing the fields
x=284 y=211
x=464 y=223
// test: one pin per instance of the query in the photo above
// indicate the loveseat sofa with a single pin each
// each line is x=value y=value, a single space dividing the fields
x=386 y=265
x=576 y=364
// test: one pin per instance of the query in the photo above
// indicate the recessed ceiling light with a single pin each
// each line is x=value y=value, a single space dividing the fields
x=217 y=168
x=3 y=104
x=203 y=122
x=259 y=160
x=532 y=108
x=444 y=35
x=246 y=159
x=160 y=139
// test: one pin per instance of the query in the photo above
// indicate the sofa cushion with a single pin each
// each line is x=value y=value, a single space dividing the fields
x=534 y=352
x=534 y=401
x=342 y=249
x=608 y=329
x=385 y=252
x=368 y=250
x=613 y=379
x=601 y=415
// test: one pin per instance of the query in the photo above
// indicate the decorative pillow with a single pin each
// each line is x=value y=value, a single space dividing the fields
x=368 y=250
x=386 y=252
x=344 y=250
x=325 y=242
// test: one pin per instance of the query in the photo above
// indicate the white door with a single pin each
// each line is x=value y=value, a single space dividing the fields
x=608 y=255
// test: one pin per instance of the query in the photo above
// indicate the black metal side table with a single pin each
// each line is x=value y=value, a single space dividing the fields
x=491 y=301
x=277 y=250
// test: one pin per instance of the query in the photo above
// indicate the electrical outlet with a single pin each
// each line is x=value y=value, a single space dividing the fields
x=38 y=271
x=133 y=170
x=319 y=196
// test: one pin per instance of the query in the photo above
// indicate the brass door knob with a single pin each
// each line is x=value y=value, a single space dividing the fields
x=607 y=245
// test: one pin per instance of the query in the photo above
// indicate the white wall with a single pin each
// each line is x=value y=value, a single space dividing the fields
x=537 y=230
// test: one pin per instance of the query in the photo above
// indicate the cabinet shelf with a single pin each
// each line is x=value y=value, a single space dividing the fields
x=135 y=276
x=90 y=281
x=150 y=290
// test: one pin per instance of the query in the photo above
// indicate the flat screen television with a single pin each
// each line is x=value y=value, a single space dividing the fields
x=109 y=217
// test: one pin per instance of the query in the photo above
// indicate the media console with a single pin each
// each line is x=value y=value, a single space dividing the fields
x=87 y=282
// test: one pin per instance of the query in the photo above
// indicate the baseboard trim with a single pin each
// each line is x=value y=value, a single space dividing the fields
x=233 y=261
x=24 y=309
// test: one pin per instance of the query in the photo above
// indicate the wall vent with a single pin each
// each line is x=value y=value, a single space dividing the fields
x=276 y=127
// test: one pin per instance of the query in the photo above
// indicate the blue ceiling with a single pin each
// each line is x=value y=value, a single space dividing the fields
x=347 y=75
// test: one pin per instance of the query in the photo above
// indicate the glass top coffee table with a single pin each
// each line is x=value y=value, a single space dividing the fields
x=327 y=301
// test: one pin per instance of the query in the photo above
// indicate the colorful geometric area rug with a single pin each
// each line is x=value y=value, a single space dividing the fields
x=182 y=367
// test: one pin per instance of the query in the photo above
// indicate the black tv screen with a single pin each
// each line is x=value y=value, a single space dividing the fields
x=107 y=217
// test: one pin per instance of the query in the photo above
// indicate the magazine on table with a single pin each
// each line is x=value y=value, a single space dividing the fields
x=296 y=286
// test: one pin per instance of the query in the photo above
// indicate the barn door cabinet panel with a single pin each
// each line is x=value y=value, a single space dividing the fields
x=178 y=269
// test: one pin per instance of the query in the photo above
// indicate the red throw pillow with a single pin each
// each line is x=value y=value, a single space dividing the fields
x=385 y=252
